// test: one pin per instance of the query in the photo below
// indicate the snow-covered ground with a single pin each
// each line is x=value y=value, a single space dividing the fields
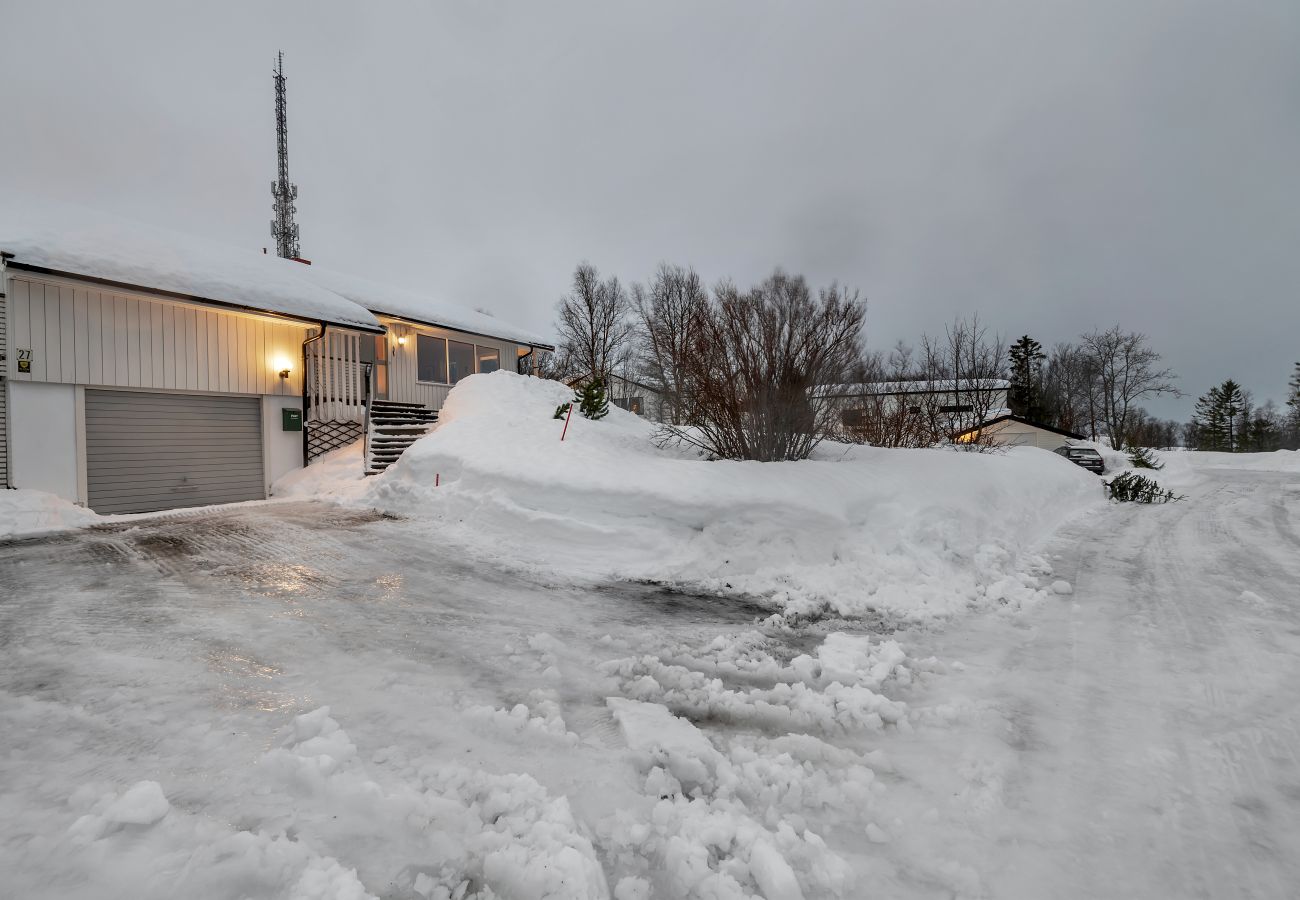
x=917 y=689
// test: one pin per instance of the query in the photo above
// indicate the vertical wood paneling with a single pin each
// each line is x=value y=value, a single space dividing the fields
x=133 y=359
x=67 y=331
x=157 y=342
x=80 y=338
x=214 y=365
x=94 y=348
x=120 y=357
x=99 y=338
x=36 y=343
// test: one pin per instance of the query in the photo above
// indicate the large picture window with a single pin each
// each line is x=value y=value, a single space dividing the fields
x=431 y=358
x=489 y=359
x=461 y=358
x=444 y=361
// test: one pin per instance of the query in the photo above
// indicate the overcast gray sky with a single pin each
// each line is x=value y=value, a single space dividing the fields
x=1054 y=166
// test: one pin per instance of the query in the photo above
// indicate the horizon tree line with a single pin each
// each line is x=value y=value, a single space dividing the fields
x=740 y=372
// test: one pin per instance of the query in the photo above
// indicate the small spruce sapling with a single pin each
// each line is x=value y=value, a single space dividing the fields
x=1142 y=458
x=562 y=410
x=592 y=399
x=1130 y=487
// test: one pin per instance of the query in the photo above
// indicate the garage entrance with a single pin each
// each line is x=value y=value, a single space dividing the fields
x=152 y=451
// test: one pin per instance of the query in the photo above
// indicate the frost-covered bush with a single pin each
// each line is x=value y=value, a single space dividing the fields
x=1130 y=487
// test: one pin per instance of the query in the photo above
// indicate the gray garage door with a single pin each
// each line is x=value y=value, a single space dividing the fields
x=148 y=451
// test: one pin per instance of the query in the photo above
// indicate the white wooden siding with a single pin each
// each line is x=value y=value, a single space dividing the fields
x=4 y=391
x=403 y=383
x=84 y=334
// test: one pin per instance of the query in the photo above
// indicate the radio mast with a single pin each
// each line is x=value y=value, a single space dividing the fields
x=283 y=228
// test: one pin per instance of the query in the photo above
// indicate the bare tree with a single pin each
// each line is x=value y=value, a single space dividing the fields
x=965 y=373
x=1067 y=389
x=874 y=411
x=669 y=312
x=594 y=324
x=752 y=376
x=1126 y=371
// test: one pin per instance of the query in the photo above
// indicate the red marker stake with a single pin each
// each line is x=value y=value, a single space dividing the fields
x=437 y=478
x=566 y=422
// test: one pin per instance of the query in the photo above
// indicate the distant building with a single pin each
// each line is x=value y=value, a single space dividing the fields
x=915 y=413
x=1013 y=431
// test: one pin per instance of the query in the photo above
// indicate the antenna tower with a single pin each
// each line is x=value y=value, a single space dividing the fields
x=283 y=228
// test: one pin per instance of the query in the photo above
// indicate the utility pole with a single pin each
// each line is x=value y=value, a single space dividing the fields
x=283 y=228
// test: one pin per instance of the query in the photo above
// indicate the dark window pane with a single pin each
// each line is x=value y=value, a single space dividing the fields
x=489 y=359
x=461 y=357
x=431 y=358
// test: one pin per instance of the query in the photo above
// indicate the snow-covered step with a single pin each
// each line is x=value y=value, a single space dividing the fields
x=394 y=427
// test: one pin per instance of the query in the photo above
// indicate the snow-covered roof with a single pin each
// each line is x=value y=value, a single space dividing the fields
x=401 y=303
x=72 y=240
x=940 y=386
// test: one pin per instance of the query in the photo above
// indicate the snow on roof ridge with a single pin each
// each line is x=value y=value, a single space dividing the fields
x=937 y=385
x=77 y=240
x=404 y=303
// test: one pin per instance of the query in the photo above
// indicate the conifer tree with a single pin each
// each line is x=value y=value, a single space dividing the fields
x=1216 y=417
x=592 y=399
x=1026 y=396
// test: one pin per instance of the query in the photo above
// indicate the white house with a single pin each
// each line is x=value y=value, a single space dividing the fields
x=143 y=370
x=1013 y=431
x=915 y=413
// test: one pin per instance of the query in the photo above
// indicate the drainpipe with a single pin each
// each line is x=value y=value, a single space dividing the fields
x=5 y=256
x=531 y=351
x=306 y=397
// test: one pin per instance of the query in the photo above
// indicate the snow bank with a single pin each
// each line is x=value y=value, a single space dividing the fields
x=31 y=513
x=858 y=529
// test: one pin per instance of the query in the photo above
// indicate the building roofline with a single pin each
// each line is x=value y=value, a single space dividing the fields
x=194 y=298
x=1023 y=421
x=496 y=337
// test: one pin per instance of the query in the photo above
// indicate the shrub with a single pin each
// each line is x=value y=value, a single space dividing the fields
x=562 y=410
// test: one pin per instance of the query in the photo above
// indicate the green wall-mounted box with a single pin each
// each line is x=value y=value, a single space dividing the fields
x=291 y=420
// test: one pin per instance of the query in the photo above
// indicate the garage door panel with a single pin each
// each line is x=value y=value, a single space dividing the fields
x=155 y=451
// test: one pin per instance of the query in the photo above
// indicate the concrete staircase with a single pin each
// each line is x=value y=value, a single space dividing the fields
x=394 y=427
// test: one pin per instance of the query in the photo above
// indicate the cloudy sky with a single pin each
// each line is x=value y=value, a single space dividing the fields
x=1052 y=166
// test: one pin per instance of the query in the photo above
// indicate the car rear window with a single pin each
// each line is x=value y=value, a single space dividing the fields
x=1084 y=452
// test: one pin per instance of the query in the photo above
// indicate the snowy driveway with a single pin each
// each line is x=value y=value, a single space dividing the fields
x=1137 y=739
x=1149 y=725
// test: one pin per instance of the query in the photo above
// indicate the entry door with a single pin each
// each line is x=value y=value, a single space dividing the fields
x=379 y=376
x=150 y=451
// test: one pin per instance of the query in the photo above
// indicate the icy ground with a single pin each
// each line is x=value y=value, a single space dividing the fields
x=300 y=701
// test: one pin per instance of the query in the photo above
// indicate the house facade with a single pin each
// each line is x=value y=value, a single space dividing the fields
x=1013 y=431
x=142 y=370
x=915 y=413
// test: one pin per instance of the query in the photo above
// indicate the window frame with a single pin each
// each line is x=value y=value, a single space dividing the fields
x=446 y=359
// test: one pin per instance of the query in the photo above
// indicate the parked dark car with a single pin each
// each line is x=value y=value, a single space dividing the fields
x=1087 y=457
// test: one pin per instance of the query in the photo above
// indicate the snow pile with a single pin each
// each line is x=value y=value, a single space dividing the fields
x=859 y=529
x=31 y=513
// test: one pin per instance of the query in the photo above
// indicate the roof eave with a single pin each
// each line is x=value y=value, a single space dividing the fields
x=192 y=298
x=431 y=324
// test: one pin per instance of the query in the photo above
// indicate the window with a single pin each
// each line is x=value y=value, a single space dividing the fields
x=461 y=359
x=489 y=359
x=959 y=408
x=431 y=358
x=853 y=418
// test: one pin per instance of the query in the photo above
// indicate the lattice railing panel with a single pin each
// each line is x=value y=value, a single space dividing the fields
x=322 y=437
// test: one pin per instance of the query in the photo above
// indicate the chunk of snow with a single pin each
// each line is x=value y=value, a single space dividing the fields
x=142 y=804
x=772 y=873
x=1062 y=587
